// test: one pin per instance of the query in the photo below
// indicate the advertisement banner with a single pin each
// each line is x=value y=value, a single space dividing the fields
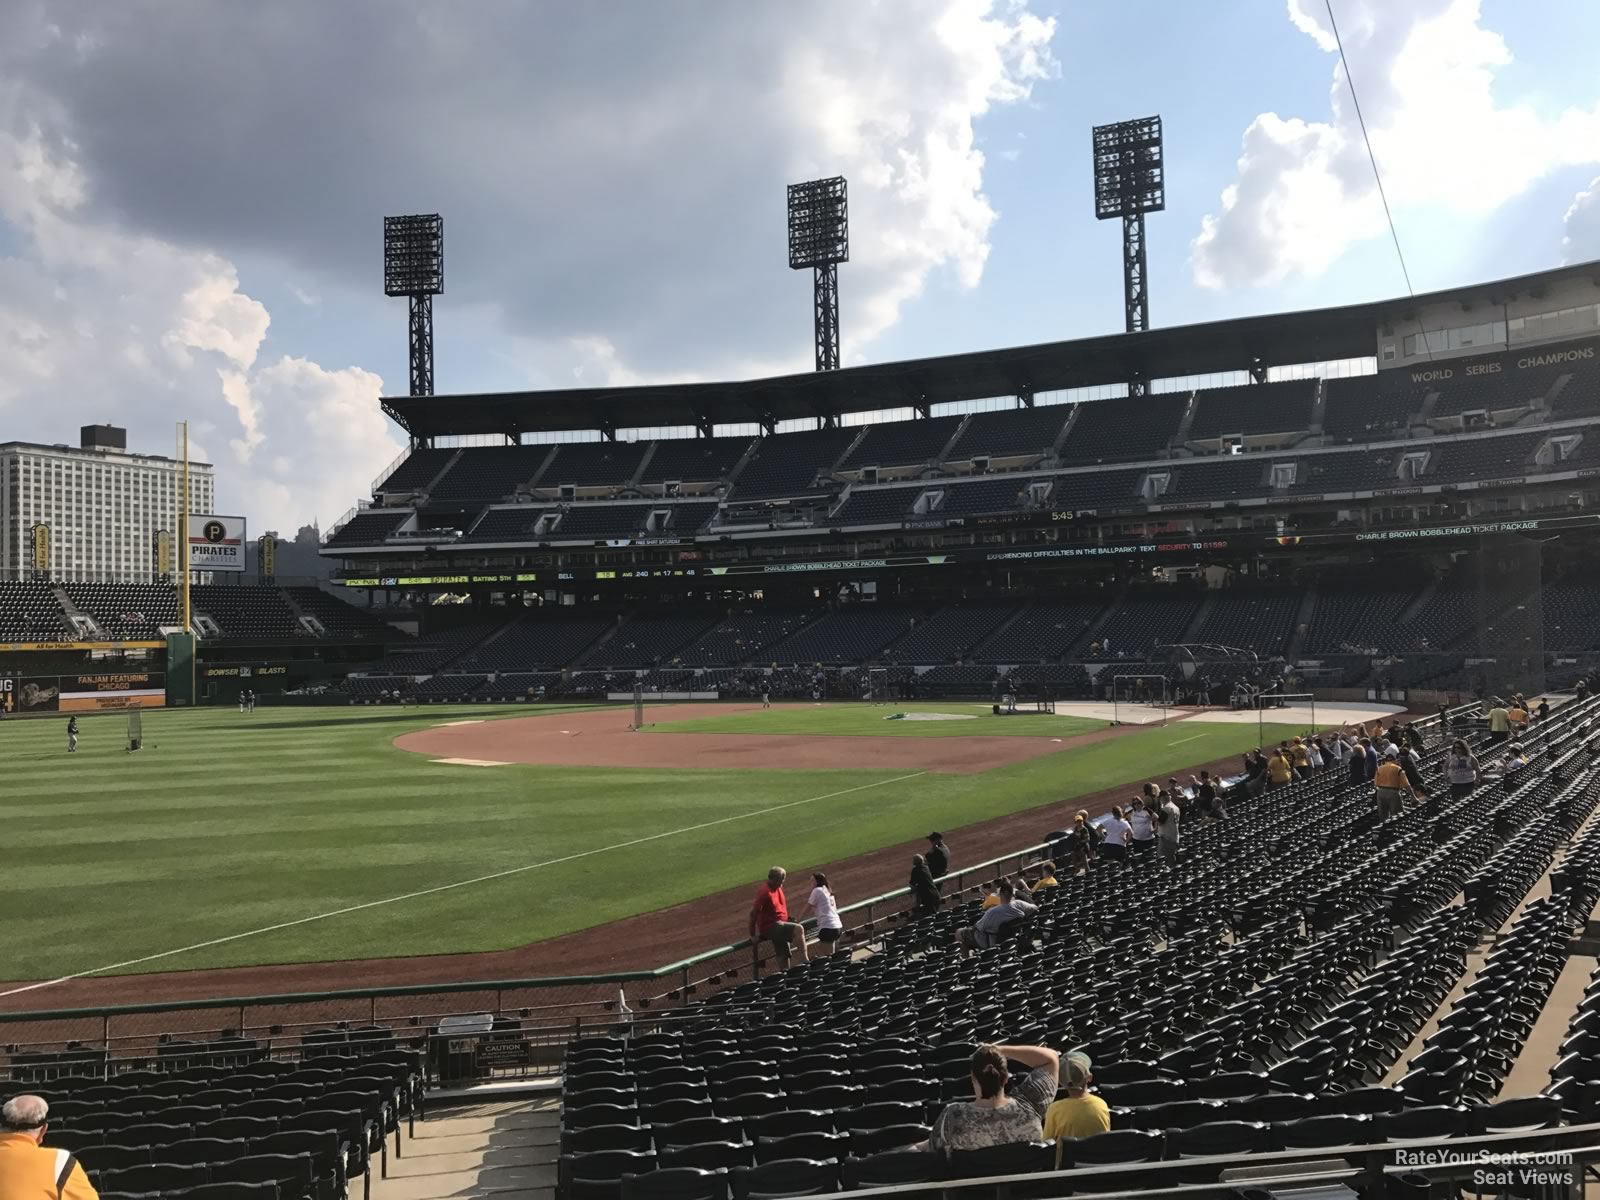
x=216 y=543
x=36 y=694
x=269 y=556
x=41 y=549
x=103 y=693
x=163 y=553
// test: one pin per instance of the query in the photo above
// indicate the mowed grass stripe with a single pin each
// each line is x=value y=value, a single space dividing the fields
x=324 y=814
x=879 y=720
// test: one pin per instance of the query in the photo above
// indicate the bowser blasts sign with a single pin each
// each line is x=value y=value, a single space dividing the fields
x=216 y=543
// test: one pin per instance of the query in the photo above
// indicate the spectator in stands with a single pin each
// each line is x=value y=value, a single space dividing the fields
x=1205 y=794
x=1255 y=773
x=1462 y=770
x=1300 y=756
x=1079 y=1113
x=1543 y=710
x=1280 y=768
x=938 y=856
x=1082 y=842
x=991 y=894
x=1499 y=722
x=1517 y=714
x=1142 y=827
x=769 y=919
x=1118 y=834
x=1411 y=764
x=1167 y=821
x=924 y=888
x=28 y=1169
x=1391 y=785
x=993 y=923
x=993 y=1117
x=829 y=927
x=1047 y=878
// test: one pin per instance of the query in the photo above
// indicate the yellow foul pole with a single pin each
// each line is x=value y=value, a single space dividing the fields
x=183 y=526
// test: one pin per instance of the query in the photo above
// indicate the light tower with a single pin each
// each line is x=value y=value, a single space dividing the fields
x=413 y=266
x=819 y=237
x=1128 y=182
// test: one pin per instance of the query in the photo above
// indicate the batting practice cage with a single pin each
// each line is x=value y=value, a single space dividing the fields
x=878 y=685
x=1139 y=691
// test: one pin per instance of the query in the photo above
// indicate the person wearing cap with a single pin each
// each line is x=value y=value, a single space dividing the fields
x=938 y=856
x=30 y=1170
x=924 y=888
x=1080 y=1113
x=1391 y=784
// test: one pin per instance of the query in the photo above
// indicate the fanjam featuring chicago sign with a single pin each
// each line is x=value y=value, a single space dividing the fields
x=216 y=543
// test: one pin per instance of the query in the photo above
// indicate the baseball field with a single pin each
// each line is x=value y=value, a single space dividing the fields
x=305 y=835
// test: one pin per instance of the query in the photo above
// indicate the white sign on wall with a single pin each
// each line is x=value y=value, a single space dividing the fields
x=216 y=543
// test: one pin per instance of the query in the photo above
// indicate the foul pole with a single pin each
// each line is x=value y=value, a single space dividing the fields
x=183 y=526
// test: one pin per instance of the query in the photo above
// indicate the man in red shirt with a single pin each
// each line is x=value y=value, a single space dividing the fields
x=769 y=919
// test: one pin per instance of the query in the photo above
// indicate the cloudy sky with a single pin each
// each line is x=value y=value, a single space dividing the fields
x=191 y=194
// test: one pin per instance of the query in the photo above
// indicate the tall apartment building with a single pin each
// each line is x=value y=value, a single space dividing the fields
x=104 y=506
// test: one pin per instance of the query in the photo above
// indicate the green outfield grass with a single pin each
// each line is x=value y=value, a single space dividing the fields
x=875 y=720
x=230 y=823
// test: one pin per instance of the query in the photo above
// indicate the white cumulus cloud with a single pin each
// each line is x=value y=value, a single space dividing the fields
x=1444 y=138
x=1582 y=240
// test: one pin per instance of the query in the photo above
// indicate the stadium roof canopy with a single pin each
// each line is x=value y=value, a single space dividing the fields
x=1319 y=335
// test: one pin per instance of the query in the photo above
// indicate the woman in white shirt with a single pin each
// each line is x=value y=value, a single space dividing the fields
x=829 y=927
x=1142 y=824
x=1118 y=833
x=1462 y=769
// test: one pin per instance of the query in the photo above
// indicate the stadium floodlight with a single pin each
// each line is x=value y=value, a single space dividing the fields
x=413 y=266
x=819 y=238
x=1129 y=182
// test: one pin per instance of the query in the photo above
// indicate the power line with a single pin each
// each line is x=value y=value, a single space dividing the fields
x=1394 y=234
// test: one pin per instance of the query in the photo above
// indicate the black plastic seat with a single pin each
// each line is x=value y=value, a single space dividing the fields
x=1112 y=1147
x=1427 y=1121
x=791 y=1177
x=1218 y=1137
x=709 y=1156
x=887 y=1170
x=676 y=1183
x=818 y=1146
x=1331 y=1129
x=687 y=1133
x=1518 y=1114
x=611 y=1137
x=866 y=1142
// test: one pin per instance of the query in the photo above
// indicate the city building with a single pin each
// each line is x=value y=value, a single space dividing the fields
x=107 y=509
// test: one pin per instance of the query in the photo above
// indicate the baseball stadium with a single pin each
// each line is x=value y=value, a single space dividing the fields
x=625 y=815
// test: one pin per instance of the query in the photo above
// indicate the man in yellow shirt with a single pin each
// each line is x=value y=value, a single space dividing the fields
x=1518 y=716
x=1080 y=1113
x=1499 y=721
x=991 y=894
x=1392 y=786
x=1047 y=877
x=30 y=1170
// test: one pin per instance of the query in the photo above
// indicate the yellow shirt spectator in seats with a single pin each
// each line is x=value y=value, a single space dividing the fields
x=1499 y=720
x=1076 y=1116
x=1518 y=717
x=1049 y=881
x=1391 y=775
x=1279 y=769
x=1302 y=756
x=990 y=901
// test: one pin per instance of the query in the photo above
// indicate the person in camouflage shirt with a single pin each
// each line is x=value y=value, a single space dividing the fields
x=996 y=1116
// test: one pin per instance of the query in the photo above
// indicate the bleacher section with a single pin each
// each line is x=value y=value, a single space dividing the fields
x=1349 y=621
x=1486 y=458
x=1262 y=622
x=900 y=443
x=368 y=526
x=592 y=465
x=1139 y=623
x=788 y=464
x=417 y=471
x=1043 y=631
x=1361 y=410
x=1010 y=433
x=949 y=633
x=341 y=620
x=536 y=642
x=642 y=641
x=1001 y=493
x=601 y=521
x=127 y=611
x=248 y=613
x=30 y=612
x=489 y=473
x=507 y=524
x=694 y=459
x=1571 y=617
x=740 y=638
x=1121 y=430
x=876 y=506
x=846 y=635
x=1327 y=993
x=1254 y=409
